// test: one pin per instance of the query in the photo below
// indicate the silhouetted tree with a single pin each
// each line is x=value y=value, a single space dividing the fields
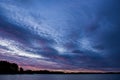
x=14 y=67
x=21 y=69
x=6 y=67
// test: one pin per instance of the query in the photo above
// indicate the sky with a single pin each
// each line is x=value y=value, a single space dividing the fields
x=61 y=34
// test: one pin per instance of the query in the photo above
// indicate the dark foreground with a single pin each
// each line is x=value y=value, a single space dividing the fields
x=62 y=77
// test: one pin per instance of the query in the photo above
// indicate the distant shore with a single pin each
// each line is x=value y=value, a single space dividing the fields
x=13 y=68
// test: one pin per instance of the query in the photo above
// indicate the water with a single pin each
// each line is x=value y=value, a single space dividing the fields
x=62 y=77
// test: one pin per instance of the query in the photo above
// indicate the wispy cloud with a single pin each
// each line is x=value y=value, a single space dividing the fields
x=61 y=34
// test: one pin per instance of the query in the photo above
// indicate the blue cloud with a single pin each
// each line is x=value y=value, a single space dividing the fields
x=69 y=34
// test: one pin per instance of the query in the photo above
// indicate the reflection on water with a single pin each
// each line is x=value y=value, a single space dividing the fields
x=62 y=77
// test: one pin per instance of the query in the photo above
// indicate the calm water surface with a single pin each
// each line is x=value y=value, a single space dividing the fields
x=62 y=77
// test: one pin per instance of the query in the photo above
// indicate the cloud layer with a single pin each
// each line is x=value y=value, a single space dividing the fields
x=65 y=34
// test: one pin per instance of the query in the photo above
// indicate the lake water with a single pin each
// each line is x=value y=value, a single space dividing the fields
x=62 y=77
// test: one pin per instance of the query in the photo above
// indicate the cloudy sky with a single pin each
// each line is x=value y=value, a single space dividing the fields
x=61 y=34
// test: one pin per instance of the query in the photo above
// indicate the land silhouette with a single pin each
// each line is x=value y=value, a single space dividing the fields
x=12 y=68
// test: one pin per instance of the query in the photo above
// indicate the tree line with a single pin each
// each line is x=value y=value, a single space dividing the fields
x=13 y=68
x=7 y=67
